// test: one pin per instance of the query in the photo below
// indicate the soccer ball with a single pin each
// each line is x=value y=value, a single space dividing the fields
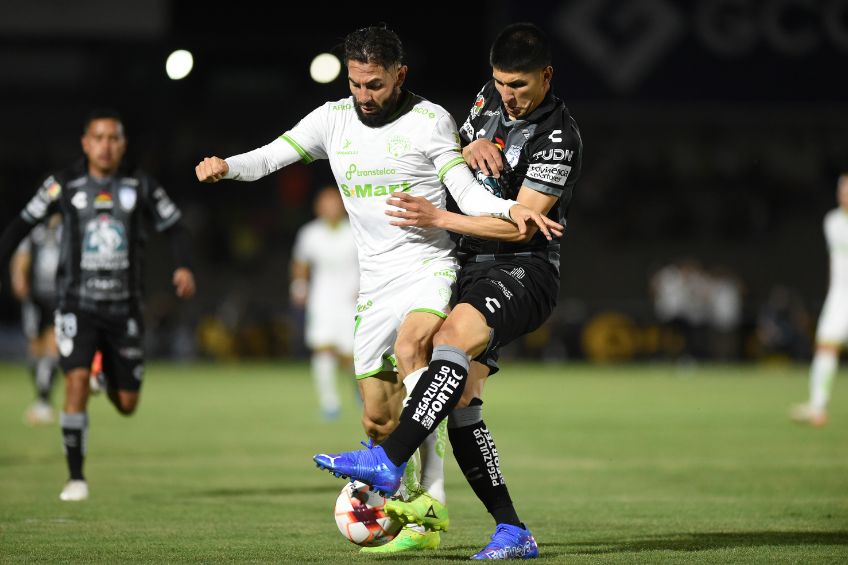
x=361 y=516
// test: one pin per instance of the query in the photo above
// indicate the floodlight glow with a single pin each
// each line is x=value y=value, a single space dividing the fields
x=325 y=68
x=179 y=64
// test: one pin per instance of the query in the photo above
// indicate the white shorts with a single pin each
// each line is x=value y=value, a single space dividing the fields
x=833 y=321
x=379 y=314
x=330 y=325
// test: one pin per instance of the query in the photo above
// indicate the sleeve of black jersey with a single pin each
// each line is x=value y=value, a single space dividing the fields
x=555 y=159
x=159 y=205
x=11 y=237
x=180 y=242
x=466 y=131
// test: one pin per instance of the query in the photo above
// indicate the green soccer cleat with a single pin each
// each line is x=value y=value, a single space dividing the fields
x=421 y=509
x=407 y=540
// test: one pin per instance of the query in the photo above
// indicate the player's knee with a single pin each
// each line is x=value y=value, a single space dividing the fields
x=411 y=352
x=126 y=406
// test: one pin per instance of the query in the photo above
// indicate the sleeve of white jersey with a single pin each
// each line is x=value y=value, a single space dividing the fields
x=300 y=251
x=470 y=196
x=304 y=142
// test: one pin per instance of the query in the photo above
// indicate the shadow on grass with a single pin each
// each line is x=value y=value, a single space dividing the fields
x=264 y=491
x=701 y=541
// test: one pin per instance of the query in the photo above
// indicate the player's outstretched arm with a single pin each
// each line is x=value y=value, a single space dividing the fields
x=249 y=166
x=211 y=169
x=420 y=212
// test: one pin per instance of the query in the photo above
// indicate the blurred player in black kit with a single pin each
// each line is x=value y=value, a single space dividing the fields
x=523 y=143
x=33 y=276
x=104 y=205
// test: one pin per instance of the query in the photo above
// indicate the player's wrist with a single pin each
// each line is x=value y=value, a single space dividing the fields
x=298 y=289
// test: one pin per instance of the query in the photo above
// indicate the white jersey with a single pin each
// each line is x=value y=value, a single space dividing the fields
x=410 y=154
x=333 y=268
x=836 y=234
x=418 y=152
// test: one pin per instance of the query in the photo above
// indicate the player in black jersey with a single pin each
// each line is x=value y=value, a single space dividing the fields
x=523 y=144
x=104 y=206
x=33 y=276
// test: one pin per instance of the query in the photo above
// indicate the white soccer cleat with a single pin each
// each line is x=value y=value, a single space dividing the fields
x=40 y=413
x=806 y=414
x=74 y=491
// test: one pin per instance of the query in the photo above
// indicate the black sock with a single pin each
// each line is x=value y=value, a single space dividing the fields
x=74 y=438
x=433 y=398
x=475 y=452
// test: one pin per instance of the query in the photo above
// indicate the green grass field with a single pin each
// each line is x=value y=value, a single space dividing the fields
x=606 y=465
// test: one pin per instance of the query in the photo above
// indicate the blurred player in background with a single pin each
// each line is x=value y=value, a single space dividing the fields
x=103 y=205
x=325 y=281
x=33 y=277
x=524 y=144
x=380 y=140
x=832 y=330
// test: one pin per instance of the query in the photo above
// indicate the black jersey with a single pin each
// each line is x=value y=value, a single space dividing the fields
x=100 y=265
x=43 y=246
x=542 y=152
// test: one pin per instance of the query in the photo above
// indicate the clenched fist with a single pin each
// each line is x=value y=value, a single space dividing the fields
x=211 y=169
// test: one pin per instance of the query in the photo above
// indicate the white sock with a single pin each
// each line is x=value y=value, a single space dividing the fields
x=822 y=375
x=433 y=462
x=432 y=451
x=324 y=365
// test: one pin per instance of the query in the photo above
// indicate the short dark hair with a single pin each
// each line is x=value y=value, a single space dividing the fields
x=520 y=47
x=101 y=114
x=374 y=44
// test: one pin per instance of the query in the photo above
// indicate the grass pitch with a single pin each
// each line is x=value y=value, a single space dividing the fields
x=606 y=465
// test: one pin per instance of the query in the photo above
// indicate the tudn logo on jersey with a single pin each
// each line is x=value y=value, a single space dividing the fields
x=104 y=245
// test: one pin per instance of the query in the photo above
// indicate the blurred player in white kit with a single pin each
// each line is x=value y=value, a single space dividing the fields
x=325 y=281
x=832 y=329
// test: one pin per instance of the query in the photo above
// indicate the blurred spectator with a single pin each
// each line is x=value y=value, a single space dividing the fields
x=782 y=325
x=725 y=314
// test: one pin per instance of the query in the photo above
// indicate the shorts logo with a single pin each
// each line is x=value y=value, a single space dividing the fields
x=132 y=327
x=489 y=302
x=66 y=330
x=517 y=273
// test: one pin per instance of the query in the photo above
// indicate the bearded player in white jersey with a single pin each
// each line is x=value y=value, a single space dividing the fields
x=380 y=140
x=832 y=330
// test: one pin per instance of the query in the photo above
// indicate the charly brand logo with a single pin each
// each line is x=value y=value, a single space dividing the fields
x=347 y=148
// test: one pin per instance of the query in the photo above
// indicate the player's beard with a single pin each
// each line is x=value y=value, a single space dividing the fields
x=381 y=117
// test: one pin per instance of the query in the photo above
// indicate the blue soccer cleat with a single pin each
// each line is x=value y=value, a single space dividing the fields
x=370 y=466
x=509 y=542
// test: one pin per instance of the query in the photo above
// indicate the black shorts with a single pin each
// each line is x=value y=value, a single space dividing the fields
x=36 y=316
x=80 y=333
x=515 y=296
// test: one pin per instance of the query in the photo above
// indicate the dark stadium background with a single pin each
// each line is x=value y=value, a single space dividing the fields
x=713 y=131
